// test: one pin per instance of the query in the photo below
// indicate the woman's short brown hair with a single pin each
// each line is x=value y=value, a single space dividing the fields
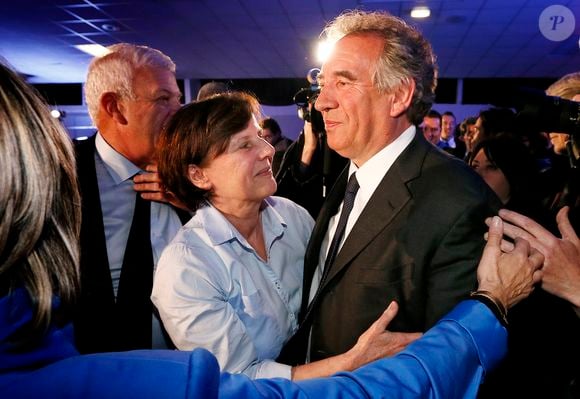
x=197 y=133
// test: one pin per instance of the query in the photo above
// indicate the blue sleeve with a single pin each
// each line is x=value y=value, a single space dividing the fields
x=449 y=361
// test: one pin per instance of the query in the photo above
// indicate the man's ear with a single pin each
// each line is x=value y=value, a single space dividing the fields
x=402 y=97
x=197 y=176
x=113 y=107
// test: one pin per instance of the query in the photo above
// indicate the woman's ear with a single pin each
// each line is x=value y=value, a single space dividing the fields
x=402 y=97
x=197 y=176
x=113 y=107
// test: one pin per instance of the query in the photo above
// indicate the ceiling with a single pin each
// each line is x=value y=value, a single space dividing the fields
x=242 y=39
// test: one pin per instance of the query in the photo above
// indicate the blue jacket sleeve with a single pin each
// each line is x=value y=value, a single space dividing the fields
x=449 y=361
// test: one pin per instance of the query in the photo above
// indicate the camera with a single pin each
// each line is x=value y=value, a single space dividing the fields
x=540 y=112
x=305 y=99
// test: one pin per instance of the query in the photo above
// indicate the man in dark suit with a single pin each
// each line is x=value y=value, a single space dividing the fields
x=131 y=93
x=415 y=231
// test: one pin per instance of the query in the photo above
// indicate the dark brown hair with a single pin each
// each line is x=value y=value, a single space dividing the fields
x=197 y=133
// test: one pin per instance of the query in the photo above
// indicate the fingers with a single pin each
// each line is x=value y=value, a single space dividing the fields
x=152 y=177
x=151 y=168
x=506 y=246
x=495 y=232
x=523 y=226
x=153 y=196
x=493 y=245
x=149 y=184
x=536 y=259
x=388 y=315
x=537 y=276
x=522 y=247
x=564 y=226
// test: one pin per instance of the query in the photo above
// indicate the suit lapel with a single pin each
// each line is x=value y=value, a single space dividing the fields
x=312 y=254
x=390 y=197
x=95 y=273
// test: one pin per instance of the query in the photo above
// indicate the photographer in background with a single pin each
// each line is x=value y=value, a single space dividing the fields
x=544 y=320
x=568 y=146
x=309 y=167
x=272 y=133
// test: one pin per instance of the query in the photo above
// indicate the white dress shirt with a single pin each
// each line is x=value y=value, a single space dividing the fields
x=369 y=176
x=214 y=291
x=114 y=176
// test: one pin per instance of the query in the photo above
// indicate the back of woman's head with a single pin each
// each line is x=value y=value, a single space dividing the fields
x=496 y=121
x=39 y=201
x=197 y=133
x=514 y=159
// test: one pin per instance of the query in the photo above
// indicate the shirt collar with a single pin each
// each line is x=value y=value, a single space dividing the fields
x=220 y=233
x=119 y=168
x=370 y=174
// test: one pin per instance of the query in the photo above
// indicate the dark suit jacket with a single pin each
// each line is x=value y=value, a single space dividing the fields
x=97 y=327
x=94 y=322
x=418 y=241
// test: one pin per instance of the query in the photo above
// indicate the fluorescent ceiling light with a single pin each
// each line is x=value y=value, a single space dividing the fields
x=420 y=12
x=95 y=50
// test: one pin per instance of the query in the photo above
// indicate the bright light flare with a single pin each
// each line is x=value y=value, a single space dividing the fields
x=323 y=50
x=96 y=50
x=420 y=12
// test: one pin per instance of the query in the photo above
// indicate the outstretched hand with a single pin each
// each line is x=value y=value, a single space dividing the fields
x=377 y=342
x=561 y=268
x=509 y=276
x=152 y=189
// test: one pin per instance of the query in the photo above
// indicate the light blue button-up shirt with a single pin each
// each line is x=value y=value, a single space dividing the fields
x=214 y=291
x=114 y=177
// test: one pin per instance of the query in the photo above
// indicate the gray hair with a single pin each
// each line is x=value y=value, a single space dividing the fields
x=39 y=203
x=406 y=56
x=113 y=72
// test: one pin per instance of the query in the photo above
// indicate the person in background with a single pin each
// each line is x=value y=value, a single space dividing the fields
x=506 y=164
x=467 y=132
x=509 y=169
x=552 y=314
x=449 y=136
x=272 y=133
x=131 y=93
x=231 y=280
x=492 y=122
x=565 y=176
x=39 y=283
x=431 y=127
x=309 y=167
x=447 y=130
x=404 y=221
x=561 y=269
x=211 y=89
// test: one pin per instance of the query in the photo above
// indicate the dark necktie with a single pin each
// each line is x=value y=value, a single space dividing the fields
x=134 y=307
x=295 y=351
x=347 y=204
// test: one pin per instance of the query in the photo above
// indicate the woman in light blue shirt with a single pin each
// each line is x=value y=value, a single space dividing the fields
x=231 y=280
